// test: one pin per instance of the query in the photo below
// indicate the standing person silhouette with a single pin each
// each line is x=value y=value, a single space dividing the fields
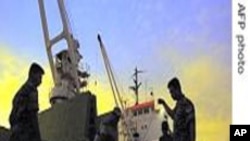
x=183 y=114
x=24 y=115
x=166 y=134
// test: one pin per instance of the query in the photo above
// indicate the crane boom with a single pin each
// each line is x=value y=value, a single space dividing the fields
x=114 y=87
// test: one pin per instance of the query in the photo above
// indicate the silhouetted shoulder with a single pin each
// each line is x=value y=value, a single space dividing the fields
x=186 y=104
x=189 y=109
x=166 y=138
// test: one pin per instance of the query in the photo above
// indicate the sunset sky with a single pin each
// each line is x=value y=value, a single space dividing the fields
x=165 y=38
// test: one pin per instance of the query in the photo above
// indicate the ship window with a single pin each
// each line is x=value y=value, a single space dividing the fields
x=135 y=113
x=146 y=110
x=144 y=127
x=140 y=112
x=133 y=130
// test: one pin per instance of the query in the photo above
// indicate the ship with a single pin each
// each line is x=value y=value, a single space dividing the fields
x=141 y=121
x=143 y=117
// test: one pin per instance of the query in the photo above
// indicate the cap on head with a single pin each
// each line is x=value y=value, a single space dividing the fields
x=174 y=83
x=35 y=68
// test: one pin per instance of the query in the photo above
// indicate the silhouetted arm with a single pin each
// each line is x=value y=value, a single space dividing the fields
x=166 y=107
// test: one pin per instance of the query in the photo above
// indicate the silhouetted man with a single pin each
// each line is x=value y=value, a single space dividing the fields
x=108 y=130
x=183 y=114
x=23 y=118
x=166 y=134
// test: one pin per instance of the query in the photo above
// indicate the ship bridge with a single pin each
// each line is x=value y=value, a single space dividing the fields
x=141 y=109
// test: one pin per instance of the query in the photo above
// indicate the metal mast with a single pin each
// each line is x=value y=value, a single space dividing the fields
x=137 y=85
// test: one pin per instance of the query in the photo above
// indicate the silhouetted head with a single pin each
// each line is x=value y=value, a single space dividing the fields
x=174 y=87
x=164 y=127
x=117 y=115
x=35 y=74
x=117 y=111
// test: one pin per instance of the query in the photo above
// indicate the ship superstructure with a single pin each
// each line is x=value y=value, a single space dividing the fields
x=144 y=121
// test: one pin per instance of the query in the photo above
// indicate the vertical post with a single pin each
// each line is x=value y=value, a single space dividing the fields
x=46 y=38
x=70 y=41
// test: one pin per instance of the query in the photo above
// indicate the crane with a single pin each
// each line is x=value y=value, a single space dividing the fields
x=67 y=77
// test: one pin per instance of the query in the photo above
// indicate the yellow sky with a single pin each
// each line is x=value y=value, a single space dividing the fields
x=206 y=83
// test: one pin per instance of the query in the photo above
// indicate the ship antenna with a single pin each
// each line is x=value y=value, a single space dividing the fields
x=137 y=84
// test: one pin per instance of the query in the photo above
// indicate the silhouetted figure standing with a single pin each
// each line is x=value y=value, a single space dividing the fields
x=23 y=118
x=183 y=114
x=108 y=130
x=166 y=134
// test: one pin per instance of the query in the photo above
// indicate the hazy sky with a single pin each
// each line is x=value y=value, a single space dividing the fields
x=166 y=38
